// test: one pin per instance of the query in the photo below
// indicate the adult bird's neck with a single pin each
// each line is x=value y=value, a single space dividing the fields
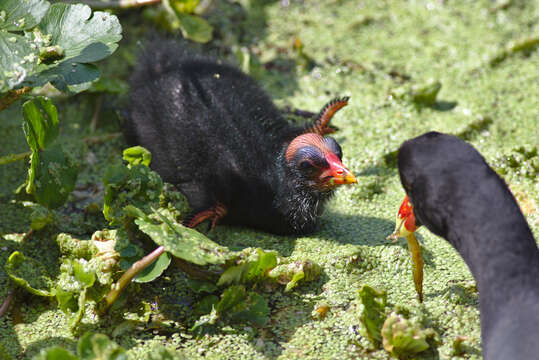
x=499 y=248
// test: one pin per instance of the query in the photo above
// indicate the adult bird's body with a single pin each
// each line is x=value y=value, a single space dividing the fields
x=217 y=136
x=456 y=195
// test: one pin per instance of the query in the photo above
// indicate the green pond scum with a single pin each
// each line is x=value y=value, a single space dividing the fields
x=467 y=68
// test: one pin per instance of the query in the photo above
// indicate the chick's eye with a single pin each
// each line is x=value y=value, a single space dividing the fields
x=305 y=165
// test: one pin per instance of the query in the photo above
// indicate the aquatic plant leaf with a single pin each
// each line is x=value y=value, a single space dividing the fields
x=52 y=176
x=200 y=286
x=85 y=37
x=17 y=15
x=372 y=312
x=155 y=270
x=99 y=347
x=59 y=44
x=55 y=353
x=40 y=125
x=40 y=215
x=290 y=274
x=402 y=337
x=137 y=155
x=195 y=28
x=137 y=186
x=426 y=94
x=17 y=60
x=182 y=242
x=239 y=305
x=253 y=269
x=254 y=308
x=30 y=274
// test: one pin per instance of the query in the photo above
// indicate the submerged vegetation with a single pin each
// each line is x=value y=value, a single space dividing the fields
x=96 y=262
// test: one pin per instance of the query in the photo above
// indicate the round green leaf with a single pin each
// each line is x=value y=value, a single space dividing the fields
x=83 y=37
x=17 y=15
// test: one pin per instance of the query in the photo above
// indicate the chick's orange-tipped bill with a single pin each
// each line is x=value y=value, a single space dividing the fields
x=337 y=173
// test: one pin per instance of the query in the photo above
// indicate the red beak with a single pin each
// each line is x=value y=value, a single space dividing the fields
x=337 y=173
x=405 y=219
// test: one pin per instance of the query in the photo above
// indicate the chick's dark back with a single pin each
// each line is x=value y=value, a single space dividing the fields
x=211 y=130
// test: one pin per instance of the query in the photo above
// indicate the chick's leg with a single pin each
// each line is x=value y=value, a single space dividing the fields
x=214 y=214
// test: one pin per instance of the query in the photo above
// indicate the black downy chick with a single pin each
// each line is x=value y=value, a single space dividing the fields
x=220 y=140
x=456 y=195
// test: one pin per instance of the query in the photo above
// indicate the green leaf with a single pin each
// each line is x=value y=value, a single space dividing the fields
x=403 y=338
x=52 y=176
x=195 y=28
x=253 y=269
x=137 y=155
x=40 y=215
x=206 y=304
x=41 y=126
x=184 y=6
x=230 y=298
x=75 y=37
x=153 y=271
x=182 y=242
x=67 y=300
x=138 y=186
x=372 y=312
x=70 y=77
x=84 y=37
x=83 y=275
x=290 y=274
x=18 y=15
x=55 y=353
x=30 y=274
x=426 y=94
x=200 y=286
x=253 y=309
x=17 y=60
x=99 y=347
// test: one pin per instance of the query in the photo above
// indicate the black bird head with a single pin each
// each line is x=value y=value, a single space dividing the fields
x=317 y=160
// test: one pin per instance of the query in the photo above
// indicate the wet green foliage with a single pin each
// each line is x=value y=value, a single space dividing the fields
x=53 y=173
x=402 y=338
x=90 y=347
x=30 y=274
x=134 y=185
x=182 y=15
x=372 y=312
x=367 y=52
x=59 y=44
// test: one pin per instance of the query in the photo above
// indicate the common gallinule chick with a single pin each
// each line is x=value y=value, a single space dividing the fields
x=216 y=135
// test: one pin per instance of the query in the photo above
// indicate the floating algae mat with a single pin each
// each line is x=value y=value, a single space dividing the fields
x=366 y=50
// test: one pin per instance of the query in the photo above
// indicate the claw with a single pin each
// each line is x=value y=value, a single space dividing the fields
x=214 y=214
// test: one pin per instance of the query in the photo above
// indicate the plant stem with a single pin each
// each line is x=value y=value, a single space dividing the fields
x=121 y=4
x=91 y=140
x=12 y=96
x=126 y=278
x=14 y=157
x=7 y=301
